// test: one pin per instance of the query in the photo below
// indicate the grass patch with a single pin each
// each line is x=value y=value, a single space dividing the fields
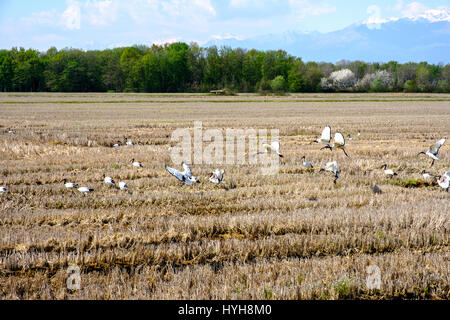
x=412 y=183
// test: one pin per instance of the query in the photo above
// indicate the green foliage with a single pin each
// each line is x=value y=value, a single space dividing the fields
x=278 y=84
x=443 y=86
x=179 y=67
x=410 y=86
x=343 y=288
x=377 y=86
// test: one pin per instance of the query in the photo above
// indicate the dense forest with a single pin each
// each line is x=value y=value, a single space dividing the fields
x=179 y=67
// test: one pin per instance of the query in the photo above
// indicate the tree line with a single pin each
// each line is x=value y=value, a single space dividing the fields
x=179 y=67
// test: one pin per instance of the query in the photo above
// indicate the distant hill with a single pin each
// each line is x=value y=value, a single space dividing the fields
x=403 y=40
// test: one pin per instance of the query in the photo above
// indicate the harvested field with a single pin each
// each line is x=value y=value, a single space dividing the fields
x=293 y=235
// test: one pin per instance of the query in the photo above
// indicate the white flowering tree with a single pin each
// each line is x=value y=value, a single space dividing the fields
x=343 y=79
x=380 y=80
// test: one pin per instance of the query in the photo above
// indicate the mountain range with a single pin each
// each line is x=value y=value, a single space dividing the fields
x=402 y=40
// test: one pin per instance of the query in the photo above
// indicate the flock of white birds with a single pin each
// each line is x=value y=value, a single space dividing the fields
x=186 y=177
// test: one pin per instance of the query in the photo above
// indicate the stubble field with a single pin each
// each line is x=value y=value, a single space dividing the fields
x=293 y=235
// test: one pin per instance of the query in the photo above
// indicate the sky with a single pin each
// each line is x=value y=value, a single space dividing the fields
x=100 y=24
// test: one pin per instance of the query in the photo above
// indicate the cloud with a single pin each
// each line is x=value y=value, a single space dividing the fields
x=186 y=7
x=100 y=12
x=413 y=10
x=226 y=36
x=304 y=8
x=161 y=42
x=72 y=15
x=416 y=10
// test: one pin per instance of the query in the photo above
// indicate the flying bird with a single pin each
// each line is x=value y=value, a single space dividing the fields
x=216 y=176
x=332 y=167
x=184 y=176
x=339 y=142
x=434 y=150
x=274 y=147
x=325 y=138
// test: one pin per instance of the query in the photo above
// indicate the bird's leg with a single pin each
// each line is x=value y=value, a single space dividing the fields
x=345 y=152
x=432 y=162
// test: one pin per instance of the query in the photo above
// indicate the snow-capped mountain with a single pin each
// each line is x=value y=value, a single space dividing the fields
x=416 y=39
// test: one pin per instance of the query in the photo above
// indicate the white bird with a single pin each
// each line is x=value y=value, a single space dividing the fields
x=434 y=150
x=136 y=164
x=339 y=142
x=123 y=185
x=216 y=176
x=3 y=189
x=274 y=147
x=426 y=175
x=85 y=190
x=108 y=180
x=444 y=181
x=10 y=131
x=128 y=142
x=358 y=134
x=184 y=176
x=306 y=163
x=325 y=138
x=70 y=185
x=332 y=167
x=349 y=138
x=115 y=145
x=388 y=172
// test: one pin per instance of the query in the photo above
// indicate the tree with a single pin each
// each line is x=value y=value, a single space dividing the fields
x=410 y=86
x=296 y=77
x=278 y=84
x=343 y=79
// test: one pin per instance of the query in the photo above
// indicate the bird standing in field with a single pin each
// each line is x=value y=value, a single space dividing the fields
x=434 y=150
x=325 y=138
x=85 y=190
x=128 y=142
x=109 y=181
x=123 y=185
x=3 y=189
x=10 y=131
x=427 y=175
x=70 y=185
x=216 y=176
x=184 y=176
x=274 y=147
x=117 y=144
x=375 y=189
x=306 y=163
x=136 y=164
x=332 y=167
x=388 y=172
